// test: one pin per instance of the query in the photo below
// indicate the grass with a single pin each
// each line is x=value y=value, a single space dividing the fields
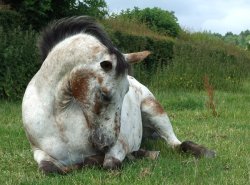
x=228 y=134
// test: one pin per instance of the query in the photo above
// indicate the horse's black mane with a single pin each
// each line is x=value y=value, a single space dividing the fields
x=63 y=28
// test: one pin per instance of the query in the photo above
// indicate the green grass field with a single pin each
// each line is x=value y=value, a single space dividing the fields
x=228 y=134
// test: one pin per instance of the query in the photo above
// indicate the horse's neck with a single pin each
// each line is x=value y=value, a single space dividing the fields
x=52 y=73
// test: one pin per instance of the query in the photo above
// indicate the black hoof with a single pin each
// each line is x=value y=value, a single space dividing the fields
x=48 y=167
x=145 y=153
x=196 y=150
x=95 y=160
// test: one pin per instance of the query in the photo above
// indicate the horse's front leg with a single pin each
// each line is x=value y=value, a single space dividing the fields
x=114 y=157
x=49 y=165
x=155 y=118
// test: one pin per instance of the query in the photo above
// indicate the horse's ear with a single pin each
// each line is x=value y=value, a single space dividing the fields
x=136 y=57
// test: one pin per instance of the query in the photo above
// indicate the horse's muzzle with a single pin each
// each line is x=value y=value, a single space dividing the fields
x=101 y=142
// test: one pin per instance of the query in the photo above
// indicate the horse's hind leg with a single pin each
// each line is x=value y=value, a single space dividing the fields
x=154 y=117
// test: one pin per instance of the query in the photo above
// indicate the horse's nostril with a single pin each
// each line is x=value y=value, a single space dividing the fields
x=106 y=97
x=105 y=149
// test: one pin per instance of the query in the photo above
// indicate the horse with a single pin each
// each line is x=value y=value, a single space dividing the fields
x=82 y=108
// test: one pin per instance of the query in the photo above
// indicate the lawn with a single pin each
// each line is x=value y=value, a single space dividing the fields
x=228 y=134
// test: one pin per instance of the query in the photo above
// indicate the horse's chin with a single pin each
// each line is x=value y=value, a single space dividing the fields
x=102 y=140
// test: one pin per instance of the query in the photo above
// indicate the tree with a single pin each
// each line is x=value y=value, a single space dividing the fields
x=157 y=19
x=65 y=8
x=39 y=12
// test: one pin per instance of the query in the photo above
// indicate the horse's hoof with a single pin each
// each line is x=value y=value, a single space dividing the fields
x=146 y=153
x=48 y=167
x=153 y=155
x=112 y=163
x=196 y=150
x=95 y=160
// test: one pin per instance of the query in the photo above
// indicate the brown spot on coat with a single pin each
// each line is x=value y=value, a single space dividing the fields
x=97 y=105
x=100 y=80
x=80 y=85
x=96 y=49
x=105 y=90
x=155 y=105
x=97 y=108
x=89 y=125
x=124 y=145
x=138 y=90
x=117 y=125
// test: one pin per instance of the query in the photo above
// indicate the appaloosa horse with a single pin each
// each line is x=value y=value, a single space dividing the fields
x=82 y=108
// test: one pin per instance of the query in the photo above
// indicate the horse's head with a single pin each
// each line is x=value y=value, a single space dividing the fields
x=86 y=70
x=99 y=87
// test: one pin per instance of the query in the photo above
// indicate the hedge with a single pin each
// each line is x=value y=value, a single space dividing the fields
x=19 y=57
x=10 y=19
x=18 y=61
x=181 y=63
x=162 y=49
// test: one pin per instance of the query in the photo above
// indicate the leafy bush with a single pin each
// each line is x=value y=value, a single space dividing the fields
x=18 y=61
x=157 y=19
x=10 y=19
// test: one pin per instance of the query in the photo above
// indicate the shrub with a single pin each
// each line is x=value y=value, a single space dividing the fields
x=10 y=19
x=18 y=61
x=157 y=19
x=174 y=63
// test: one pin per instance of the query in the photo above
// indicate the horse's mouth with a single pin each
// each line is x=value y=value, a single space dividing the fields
x=101 y=142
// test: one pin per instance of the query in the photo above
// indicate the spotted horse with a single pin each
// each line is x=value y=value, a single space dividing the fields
x=82 y=108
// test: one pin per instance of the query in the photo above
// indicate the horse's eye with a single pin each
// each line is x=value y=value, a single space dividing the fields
x=106 y=65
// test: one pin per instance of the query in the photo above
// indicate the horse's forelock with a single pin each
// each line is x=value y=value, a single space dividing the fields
x=63 y=28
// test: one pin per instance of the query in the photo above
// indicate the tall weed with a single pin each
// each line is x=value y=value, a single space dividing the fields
x=197 y=55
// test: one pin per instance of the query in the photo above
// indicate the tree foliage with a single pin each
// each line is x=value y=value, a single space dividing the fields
x=96 y=8
x=39 y=12
x=157 y=19
x=242 y=39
